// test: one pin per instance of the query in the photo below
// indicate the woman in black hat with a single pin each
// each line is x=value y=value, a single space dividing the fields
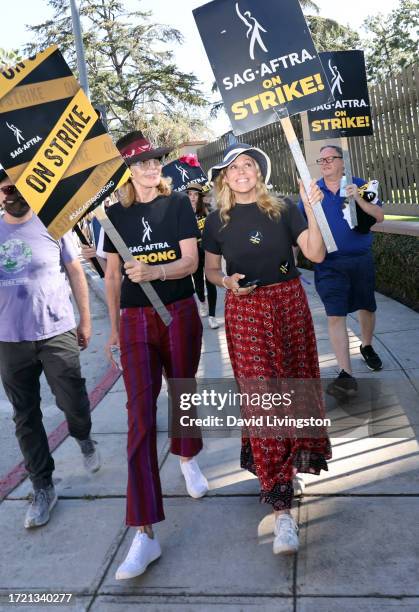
x=269 y=329
x=194 y=191
x=160 y=230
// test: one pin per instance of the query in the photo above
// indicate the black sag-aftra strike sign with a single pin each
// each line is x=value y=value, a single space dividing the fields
x=53 y=146
x=183 y=171
x=263 y=58
x=350 y=114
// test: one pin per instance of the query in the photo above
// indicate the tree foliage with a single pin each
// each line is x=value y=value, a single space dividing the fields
x=9 y=58
x=175 y=129
x=308 y=5
x=329 y=35
x=393 y=40
x=130 y=66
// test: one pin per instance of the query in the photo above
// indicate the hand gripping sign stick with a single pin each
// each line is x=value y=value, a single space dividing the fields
x=126 y=255
x=348 y=176
x=304 y=173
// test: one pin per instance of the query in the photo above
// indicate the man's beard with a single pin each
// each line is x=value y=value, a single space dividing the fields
x=16 y=207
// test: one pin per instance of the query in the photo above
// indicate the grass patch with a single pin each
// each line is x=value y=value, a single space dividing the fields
x=401 y=218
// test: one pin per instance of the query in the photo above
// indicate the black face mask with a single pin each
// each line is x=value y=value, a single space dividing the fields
x=15 y=205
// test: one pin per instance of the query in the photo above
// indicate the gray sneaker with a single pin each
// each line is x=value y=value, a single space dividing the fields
x=91 y=456
x=42 y=503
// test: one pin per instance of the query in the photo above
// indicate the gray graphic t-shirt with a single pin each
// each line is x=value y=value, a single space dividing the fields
x=34 y=292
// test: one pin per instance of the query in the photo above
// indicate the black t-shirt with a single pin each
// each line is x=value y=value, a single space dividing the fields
x=152 y=231
x=255 y=245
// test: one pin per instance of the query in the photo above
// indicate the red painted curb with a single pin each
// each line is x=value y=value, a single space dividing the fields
x=60 y=433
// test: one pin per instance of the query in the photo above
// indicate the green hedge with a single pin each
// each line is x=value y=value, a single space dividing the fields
x=396 y=265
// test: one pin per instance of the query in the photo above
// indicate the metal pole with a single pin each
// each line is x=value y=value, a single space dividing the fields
x=81 y=61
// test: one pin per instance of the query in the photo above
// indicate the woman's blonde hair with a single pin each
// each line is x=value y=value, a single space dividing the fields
x=126 y=193
x=225 y=198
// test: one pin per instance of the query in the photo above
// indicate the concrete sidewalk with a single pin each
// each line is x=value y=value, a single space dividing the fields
x=359 y=522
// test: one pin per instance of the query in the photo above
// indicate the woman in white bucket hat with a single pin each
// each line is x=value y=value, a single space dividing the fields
x=269 y=329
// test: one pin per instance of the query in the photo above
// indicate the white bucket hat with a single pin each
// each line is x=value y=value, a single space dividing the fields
x=236 y=149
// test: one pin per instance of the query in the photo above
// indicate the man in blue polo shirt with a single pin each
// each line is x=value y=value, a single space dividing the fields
x=345 y=279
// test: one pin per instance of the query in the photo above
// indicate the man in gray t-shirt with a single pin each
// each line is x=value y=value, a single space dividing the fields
x=38 y=333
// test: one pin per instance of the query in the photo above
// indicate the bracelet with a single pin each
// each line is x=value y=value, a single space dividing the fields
x=164 y=273
x=222 y=281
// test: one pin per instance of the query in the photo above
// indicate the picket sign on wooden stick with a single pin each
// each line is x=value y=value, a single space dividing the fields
x=57 y=201
x=126 y=255
x=304 y=173
x=348 y=176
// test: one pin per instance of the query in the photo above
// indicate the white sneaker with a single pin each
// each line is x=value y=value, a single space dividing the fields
x=213 y=323
x=143 y=551
x=196 y=483
x=203 y=309
x=286 y=538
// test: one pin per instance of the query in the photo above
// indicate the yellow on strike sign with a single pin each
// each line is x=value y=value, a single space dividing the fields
x=52 y=144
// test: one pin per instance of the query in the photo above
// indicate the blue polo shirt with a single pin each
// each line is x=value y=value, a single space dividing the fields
x=348 y=241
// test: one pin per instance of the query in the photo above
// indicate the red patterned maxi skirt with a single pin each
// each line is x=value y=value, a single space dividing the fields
x=270 y=335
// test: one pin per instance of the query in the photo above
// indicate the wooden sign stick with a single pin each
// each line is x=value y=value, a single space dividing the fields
x=348 y=175
x=304 y=173
x=126 y=255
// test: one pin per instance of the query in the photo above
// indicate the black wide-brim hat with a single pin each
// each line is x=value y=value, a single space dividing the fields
x=136 y=147
x=236 y=149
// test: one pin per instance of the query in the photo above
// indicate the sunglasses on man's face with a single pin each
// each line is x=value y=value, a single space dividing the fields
x=8 y=190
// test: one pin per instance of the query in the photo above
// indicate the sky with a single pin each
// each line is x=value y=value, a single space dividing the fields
x=190 y=56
